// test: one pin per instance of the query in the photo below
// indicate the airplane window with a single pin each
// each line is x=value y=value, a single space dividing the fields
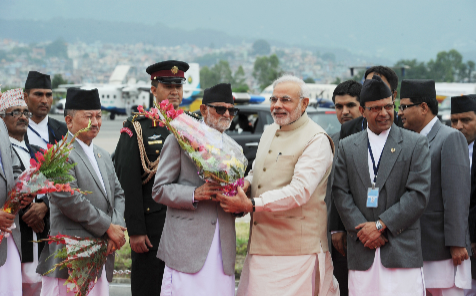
x=114 y=96
x=103 y=96
x=108 y=96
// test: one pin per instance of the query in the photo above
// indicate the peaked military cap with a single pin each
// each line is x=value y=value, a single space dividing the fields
x=81 y=99
x=418 y=88
x=220 y=93
x=168 y=72
x=463 y=104
x=37 y=80
x=373 y=90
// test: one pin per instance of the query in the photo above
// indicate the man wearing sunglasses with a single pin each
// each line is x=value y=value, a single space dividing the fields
x=288 y=244
x=33 y=222
x=381 y=188
x=136 y=162
x=444 y=224
x=42 y=129
x=198 y=243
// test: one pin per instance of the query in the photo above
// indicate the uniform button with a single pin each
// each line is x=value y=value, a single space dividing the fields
x=269 y=152
x=157 y=151
x=148 y=209
x=264 y=169
x=255 y=223
x=259 y=186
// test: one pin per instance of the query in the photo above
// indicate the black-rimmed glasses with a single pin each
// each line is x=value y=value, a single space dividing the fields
x=402 y=107
x=18 y=113
x=377 y=109
x=222 y=110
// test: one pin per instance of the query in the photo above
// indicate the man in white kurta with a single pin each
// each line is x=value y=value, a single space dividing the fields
x=381 y=188
x=444 y=224
x=198 y=243
x=288 y=249
x=16 y=115
x=463 y=118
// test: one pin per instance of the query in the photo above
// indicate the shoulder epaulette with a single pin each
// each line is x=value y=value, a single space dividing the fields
x=193 y=114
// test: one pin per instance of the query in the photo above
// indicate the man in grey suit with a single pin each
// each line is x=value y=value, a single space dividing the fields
x=10 y=247
x=95 y=215
x=346 y=98
x=198 y=242
x=444 y=224
x=381 y=188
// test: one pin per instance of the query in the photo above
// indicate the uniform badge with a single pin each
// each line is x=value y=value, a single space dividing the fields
x=99 y=155
x=127 y=131
x=174 y=70
x=154 y=137
x=154 y=140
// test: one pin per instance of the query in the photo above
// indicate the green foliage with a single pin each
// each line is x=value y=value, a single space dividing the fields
x=261 y=47
x=266 y=70
x=337 y=81
x=58 y=80
x=57 y=49
x=309 y=80
x=219 y=73
x=328 y=56
x=239 y=81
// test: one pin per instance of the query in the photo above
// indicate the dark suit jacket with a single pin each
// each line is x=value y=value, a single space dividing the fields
x=358 y=124
x=444 y=222
x=403 y=180
x=25 y=230
x=56 y=128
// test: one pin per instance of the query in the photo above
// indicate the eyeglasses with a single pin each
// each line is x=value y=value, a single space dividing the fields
x=222 y=110
x=283 y=100
x=18 y=113
x=402 y=107
x=376 y=109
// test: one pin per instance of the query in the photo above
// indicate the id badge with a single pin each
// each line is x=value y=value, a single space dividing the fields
x=372 y=197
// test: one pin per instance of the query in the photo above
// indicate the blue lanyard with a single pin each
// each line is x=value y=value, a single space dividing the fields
x=373 y=161
x=23 y=148
x=49 y=129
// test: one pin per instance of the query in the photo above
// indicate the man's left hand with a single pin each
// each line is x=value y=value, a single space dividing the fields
x=34 y=216
x=368 y=233
x=26 y=200
x=459 y=254
x=235 y=204
x=111 y=247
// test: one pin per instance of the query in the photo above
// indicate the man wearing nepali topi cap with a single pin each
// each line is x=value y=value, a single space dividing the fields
x=10 y=169
x=42 y=129
x=34 y=221
x=136 y=161
x=444 y=224
x=382 y=188
x=198 y=243
x=463 y=118
x=95 y=215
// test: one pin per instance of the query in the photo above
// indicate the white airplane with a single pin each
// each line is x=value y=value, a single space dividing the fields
x=119 y=98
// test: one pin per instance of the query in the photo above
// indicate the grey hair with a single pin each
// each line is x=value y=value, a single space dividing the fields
x=303 y=92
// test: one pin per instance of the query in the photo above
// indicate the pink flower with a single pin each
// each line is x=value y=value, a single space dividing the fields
x=170 y=107
x=163 y=104
x=171 y=113
x=161 y=124
x=180 y=111
x=140 y=108
x=49 y=146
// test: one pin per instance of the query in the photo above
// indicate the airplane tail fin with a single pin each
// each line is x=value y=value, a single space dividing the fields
x=193 y=78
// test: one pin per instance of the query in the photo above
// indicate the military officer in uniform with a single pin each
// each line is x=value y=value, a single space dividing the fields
x=136 y=162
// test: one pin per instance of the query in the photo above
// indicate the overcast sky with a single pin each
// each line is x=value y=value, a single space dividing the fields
x=391 y=29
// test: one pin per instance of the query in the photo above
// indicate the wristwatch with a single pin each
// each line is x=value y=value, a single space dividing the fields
x=379 y=226
x=253 y=203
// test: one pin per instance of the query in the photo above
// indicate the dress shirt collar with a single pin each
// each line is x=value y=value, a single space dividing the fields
x=381 y=138
x=16 y=142
x=89 y=150
x=427 y=129
x=42 y=126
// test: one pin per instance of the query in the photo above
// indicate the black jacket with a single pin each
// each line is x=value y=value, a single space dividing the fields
x=56 y=130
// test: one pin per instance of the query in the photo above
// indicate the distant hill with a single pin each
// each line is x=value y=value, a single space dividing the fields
x=89 y=31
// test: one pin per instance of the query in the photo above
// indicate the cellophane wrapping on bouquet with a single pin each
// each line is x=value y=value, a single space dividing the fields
x=83 y=257
x=216 y=155
x=48 y=173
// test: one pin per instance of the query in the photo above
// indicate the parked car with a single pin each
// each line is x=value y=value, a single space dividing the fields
x=248 y=126
x=444 y=111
